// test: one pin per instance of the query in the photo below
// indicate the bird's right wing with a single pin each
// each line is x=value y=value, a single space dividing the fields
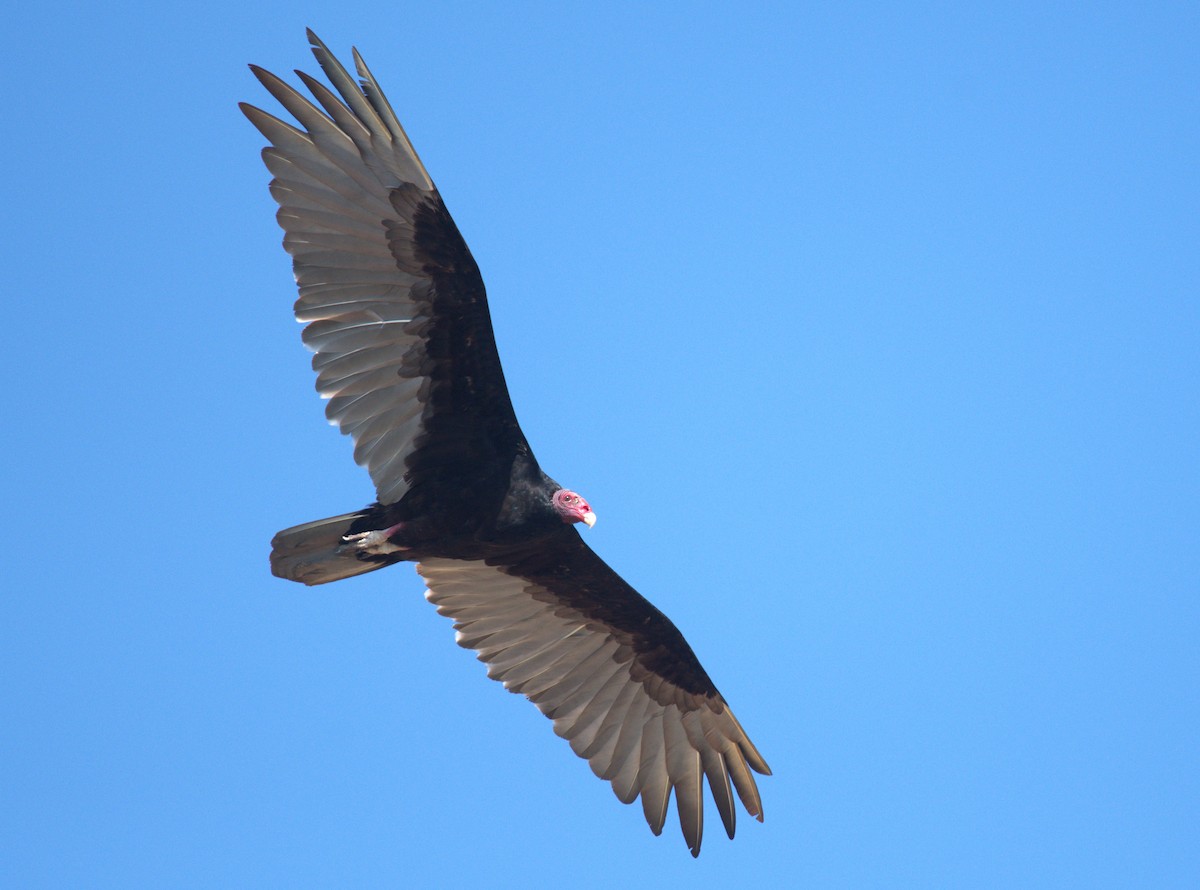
x=393 y=302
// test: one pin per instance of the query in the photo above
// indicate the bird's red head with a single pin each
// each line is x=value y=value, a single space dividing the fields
x=573 y=508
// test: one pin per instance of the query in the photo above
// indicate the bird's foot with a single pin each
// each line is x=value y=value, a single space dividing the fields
x=375 y=543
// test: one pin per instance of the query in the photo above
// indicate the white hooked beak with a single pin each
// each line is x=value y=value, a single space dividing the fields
x=589 y=518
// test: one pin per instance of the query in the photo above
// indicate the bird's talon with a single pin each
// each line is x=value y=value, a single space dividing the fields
x=372 y=543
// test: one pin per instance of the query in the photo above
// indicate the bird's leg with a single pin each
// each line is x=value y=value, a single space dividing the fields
x=376 y=543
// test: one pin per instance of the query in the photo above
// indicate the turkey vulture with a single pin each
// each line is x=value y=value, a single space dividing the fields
x=396 y=314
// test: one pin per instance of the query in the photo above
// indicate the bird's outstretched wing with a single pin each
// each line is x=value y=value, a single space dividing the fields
x=559 y=626
x=393 y=302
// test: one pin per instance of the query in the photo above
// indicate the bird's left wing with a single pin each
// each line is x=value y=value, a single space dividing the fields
x=557 y=625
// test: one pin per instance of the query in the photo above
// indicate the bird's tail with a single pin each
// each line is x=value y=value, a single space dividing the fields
x=314 y=553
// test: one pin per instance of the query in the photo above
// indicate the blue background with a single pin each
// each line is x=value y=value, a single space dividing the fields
x=872 y=333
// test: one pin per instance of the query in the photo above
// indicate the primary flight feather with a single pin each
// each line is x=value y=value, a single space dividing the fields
x=396 y=314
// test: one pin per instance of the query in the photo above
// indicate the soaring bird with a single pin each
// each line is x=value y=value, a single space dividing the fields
x=395 y=311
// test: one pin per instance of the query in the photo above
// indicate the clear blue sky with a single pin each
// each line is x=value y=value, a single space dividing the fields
x=871 y=333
